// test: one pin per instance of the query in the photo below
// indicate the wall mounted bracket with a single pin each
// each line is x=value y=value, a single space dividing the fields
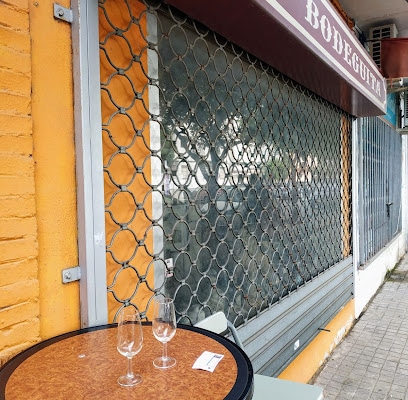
x=71 y=274
x=63 y=13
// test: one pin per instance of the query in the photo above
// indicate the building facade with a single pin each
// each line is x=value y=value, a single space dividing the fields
x=242 y=170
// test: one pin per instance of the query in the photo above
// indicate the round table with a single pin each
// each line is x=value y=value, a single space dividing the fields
x=85 y=364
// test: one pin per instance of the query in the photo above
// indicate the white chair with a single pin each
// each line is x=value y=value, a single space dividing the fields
x=265 y=387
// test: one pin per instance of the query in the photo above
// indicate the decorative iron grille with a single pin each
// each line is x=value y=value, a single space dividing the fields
x=243 y=175
x=380 y=185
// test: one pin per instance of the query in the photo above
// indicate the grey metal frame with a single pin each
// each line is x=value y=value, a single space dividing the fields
x=355 y=198
x=89 y=166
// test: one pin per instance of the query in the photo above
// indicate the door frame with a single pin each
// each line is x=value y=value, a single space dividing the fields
x=89 y=163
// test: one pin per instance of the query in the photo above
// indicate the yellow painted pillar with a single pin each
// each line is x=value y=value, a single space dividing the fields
x=54 y=156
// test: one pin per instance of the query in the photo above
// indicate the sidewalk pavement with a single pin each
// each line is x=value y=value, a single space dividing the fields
x=371 y=363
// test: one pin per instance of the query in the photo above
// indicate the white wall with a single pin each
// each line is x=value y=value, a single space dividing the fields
x=368 y=280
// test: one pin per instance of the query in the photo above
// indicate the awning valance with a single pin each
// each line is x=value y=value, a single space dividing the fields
x=304 y=39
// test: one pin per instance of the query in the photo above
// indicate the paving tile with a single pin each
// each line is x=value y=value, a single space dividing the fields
x=387 y=379
x=371 y=363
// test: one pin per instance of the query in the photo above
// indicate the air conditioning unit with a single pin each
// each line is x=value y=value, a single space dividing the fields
x=376 y=34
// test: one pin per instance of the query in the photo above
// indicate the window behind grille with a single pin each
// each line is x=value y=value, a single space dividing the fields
x=232 y=174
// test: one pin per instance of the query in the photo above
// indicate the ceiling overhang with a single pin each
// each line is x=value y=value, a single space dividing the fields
x=306 y=40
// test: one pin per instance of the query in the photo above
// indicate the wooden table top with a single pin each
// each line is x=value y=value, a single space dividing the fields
x=85 y=365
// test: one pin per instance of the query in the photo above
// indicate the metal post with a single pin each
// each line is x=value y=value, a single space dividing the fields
x=89 y=164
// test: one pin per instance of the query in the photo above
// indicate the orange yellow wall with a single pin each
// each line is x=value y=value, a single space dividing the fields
x=19 y=287
x=38 y=227
x=54 y=154
x=308 y=362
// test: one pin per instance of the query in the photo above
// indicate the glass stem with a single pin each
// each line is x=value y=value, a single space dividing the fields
x=165 y=351
x=130 y=370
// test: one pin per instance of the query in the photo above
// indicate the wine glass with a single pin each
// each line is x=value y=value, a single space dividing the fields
x=129 y=342
x=164 y=328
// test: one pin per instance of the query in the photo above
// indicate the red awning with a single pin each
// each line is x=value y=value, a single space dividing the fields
x=394 y=57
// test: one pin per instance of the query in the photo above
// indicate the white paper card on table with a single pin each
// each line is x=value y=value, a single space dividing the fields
x=208 y=361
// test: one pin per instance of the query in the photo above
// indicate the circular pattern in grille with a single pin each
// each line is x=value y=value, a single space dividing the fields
x=217 y=162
